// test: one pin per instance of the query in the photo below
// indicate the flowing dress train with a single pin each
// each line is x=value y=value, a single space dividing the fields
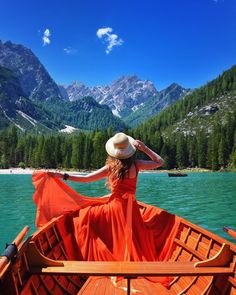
x=111 y=228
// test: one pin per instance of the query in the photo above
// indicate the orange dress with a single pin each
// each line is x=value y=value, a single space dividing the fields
x=115 y=231
x=111 y=228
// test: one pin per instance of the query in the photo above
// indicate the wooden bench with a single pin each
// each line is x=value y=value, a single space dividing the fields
x=217 y=265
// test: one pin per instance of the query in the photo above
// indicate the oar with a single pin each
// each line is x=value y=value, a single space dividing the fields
x=229 y=231
x=11 y=250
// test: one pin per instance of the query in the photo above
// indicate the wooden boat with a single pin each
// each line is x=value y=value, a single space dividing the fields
x=177 y=174
x=201 y=263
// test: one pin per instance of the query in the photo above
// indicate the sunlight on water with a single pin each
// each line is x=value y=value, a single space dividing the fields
x=207 y=199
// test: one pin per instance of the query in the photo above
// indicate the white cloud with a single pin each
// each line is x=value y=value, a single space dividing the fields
x=110 y=39
x=70 y=50
x=45 y=38
x=103 y=31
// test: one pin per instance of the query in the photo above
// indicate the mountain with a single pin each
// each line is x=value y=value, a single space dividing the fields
x=63 y=92
x=198 y=130
x=155 y=104
x=78 y=90
x=16 y=108
x=205 y=107
x=199 y=110
x=30 y=99
x=130 y=98
x=123 y=96
x=126 y=94
x=34 y=79
x=45 y=116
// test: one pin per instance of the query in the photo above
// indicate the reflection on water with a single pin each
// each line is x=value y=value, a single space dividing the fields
x=207 y=199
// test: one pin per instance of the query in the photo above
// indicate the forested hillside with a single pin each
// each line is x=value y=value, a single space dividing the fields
x=199 y=130
x=86 y=114
x=154 y=105
x=224 y=85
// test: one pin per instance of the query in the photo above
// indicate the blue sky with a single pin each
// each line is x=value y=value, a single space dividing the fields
x=184 y=41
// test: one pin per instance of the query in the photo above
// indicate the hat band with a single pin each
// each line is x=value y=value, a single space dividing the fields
x=120 y=145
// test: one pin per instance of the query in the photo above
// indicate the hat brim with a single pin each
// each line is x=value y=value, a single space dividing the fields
x=125 y=153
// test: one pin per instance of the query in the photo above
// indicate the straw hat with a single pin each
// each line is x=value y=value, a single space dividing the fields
x=120 y=146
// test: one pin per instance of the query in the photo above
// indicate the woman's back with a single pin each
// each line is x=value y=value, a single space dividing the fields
x=127 y=184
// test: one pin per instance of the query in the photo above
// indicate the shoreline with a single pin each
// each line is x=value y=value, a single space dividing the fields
x=31 y=170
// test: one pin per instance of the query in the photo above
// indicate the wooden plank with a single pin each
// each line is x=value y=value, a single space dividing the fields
x=40 y=264
x=130 y=269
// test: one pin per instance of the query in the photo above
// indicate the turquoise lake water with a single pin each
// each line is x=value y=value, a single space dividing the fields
x=206 y=199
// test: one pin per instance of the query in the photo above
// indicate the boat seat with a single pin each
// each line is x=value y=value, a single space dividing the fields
x=109 y=286
x=219 y=264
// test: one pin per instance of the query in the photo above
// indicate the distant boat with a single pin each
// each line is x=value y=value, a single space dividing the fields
x=177 y=174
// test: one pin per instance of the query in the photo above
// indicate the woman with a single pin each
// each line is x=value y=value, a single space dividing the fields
x=115 y=230
x=111 y=228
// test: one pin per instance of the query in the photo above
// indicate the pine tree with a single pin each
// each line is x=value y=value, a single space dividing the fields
x=20 y=150
x=181 y=152
x=67 y=153
x=48 y=153
x=78 y=151
x=213 y=149
x=222 y=150
x=75 y=152
x=99 y=154
x=12 y=139
x=88 y=148
x=192 y=151
x=201 y=147
x=58 y=152
x=38 y=152
x=156 y=141
x=166 y=156
x=233 y=154
x=4 y=164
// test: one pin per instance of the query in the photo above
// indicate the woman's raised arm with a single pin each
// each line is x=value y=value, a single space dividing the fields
x=156 y=160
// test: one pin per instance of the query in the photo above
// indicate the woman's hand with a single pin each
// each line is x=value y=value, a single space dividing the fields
x=139 y=145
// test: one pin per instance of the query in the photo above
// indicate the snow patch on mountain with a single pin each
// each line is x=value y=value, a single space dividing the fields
x=68 y=129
